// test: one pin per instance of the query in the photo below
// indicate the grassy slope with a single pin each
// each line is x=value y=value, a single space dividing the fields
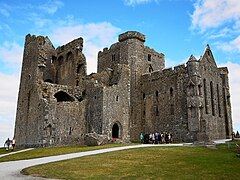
x=148 y=163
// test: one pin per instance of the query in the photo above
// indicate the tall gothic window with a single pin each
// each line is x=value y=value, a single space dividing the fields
x=205 y=95
x=212 y=98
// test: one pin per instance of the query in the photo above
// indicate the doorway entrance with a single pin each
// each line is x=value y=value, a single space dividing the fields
x=115 y=131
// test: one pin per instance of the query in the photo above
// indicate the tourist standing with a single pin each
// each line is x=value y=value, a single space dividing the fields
x=13 y=143
x=141 y=138
x=7 y=144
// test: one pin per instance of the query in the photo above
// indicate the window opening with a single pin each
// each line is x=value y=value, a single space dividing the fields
x=212 y=98
x=205 y=95
x=171 y=92
x=63 y=96
x=149 y=57
x=113 y=57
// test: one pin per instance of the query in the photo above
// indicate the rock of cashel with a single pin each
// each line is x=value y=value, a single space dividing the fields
x=131 y=93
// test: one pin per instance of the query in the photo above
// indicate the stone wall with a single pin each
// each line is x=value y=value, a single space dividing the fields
x=132 y=93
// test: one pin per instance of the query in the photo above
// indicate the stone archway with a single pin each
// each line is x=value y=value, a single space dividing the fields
x=115 y=131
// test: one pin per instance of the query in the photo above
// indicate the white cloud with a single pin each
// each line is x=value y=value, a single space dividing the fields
x=96 y=36
x=11 y=52
x=210 y=14
x=8 y=102
x=234 y=83
x=136 y=2
x=232 y=46
x=51 y=6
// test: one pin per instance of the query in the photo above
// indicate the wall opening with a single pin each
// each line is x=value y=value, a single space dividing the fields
x=156 y=111
x=199 y=90
x=63 y=96
x=113 y=57
x=49 y=130
x=69 y=56
x=218 y=99
x=156 y=93
x=115 y=131
x=205 y=95
x=48 y=80
x=79 y=67
x=60 y=60
x=212 y=98
x=172 y=109
x=149 y=57
x=171 y=92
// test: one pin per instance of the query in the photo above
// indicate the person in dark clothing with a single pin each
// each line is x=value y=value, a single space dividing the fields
x=7 y=144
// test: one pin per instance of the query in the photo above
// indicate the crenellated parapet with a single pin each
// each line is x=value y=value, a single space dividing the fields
x=131 y=35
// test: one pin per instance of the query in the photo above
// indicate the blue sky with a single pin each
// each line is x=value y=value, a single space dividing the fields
x=177 y=28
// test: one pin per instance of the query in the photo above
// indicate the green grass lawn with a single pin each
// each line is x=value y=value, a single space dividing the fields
x=44 y=152
x=148 y=163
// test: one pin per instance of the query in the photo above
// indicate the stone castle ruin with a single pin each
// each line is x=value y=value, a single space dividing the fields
x=132 y=92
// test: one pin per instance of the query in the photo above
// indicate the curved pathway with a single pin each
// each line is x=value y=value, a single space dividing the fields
x=11 y=170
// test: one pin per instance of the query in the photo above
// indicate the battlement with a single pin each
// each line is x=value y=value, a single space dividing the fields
x=41 y=40
x=131 y=35
x=223 y=70
x=163 y=73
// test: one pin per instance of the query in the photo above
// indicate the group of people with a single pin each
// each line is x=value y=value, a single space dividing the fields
x=157 y=138
x=10 y=144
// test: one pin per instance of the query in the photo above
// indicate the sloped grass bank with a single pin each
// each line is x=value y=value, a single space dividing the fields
x=147 y=163
x=44 y=152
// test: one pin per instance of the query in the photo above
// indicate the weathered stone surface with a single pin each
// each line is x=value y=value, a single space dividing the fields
x=131 y=93
x=94 y=139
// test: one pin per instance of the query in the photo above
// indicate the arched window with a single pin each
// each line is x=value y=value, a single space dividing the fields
x=60 y=60
x=156 y=93
x=49 y=130
x=218 y=99
x=79 y=67
x=69 y=56
x=63 y=96
x=205 y=95
x=212 y=98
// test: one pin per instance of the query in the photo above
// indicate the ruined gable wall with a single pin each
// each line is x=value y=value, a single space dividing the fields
x=215 y=95
x=70 y=64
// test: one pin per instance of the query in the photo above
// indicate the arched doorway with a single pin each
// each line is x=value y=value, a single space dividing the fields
x=115 y=131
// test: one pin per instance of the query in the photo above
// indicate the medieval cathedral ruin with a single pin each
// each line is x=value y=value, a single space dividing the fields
x=132 y=92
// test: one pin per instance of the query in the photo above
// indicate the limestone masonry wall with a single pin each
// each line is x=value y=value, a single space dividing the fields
x=131 y=93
